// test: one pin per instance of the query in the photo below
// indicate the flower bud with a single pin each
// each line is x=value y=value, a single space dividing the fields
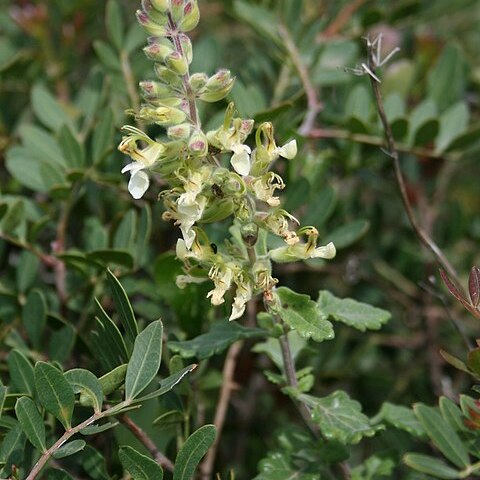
x=165 y=101
x=198 y=82
x=160 y=5
x=179 y=132
x=159 y=49
x=149 y=25
x=154 y=14
x=191 y=16
x=218 y=86
x=176 y=8
x=153 y=89
x=198 y=144
x=177 y=62
x=162 y=115
x=249 y=234
x=186 y=47
x=167 y=76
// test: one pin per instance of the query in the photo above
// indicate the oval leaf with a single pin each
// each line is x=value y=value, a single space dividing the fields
x=88 y=385
x=69 y=448
x=193 y=451
x=145 y=360
x=139 y=466
x=31 y=422
x=430 y=466
x=54 y=392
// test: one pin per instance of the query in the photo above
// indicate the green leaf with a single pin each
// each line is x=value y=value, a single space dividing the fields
x=113 y=380
x=103 y=136
x=355 y=314
x=34 y=317
x=93 y=463
x=56 y=474
x=340 y=418
x=47 y=109
x=145 y=360
x=401 y=417
x=442 y=435
x=13 y=218
x=69 y=448
x=3 y=394
x=446 y=80
x=73 y=151
x=31 y=422
x=107 y=55
x=27 y=270
x=430 y=466
x=452 y=414
x=271 y=348
x=168 y=383
x=260 y=18
x=88 y=386
x=12 y=448
x=61 y=343
x=139 y=466
x=114 y=23
x=345 y=235
x=21 y=372
x=192 y=451
x=54 y=392
x=125 y=233
x=110 y=255
x=473 y=361
x=123 y=305
x=219 y=338
x=427 y=132
x=169 y=419
x=302 y=314
x=278 y=466
x=42 y=145
x=94 y=429
x=25 y=169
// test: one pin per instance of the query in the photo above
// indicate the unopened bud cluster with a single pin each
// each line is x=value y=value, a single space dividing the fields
x=211 y=175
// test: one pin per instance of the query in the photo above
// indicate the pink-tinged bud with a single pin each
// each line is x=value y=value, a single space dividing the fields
x=155 y=15
x=158 y=51
x=149 y=25
x=179 y=132
x=218 y=86
x=198 y=144
x=191 y=16
x=153 y=89
x=177 y=62
x=176 y=7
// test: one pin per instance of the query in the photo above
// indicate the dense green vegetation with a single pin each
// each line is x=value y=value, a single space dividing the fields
x=359 y=366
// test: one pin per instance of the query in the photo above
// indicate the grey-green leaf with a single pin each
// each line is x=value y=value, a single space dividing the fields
x=47 y=109
x=31 y=422
x=139 y=466
x=54 y=392
x=145 y=360
x=442 y=435
x=430 y=465
x=94 y=429
x=21 y=372
x=113 y=380
x=3 y=394
x=69 y=448
x=340 y=418
x=88 y=385
x=401 y=417
x=114 y=23
x=221 y=335
x=302 y=314
x=355 y=314
x=123 y=305
x=192 y=451
x=34 y=316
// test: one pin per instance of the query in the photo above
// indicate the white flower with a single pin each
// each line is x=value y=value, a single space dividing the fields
x=241 y=159
x=189 y=212
x=266 y=185
x=289 y=150
x=327 y=251
x=139 y=180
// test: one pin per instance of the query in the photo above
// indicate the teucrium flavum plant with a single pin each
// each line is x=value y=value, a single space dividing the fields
x=211 y=175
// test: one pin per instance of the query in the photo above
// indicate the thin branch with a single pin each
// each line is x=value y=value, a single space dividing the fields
x=228 y=386
x=328 y=133
x=423 y=236
x=314 y=106
x=143 y=437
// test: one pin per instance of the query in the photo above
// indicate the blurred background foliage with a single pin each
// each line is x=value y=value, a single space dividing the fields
x=68 y=72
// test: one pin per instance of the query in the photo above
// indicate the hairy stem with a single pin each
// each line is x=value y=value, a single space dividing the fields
x=190 y=97
x=143 y=437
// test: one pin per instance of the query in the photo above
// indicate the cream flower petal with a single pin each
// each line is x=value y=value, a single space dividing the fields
x=289 y=150
x=327 y=251
x=241 y=159
x=138 y=184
